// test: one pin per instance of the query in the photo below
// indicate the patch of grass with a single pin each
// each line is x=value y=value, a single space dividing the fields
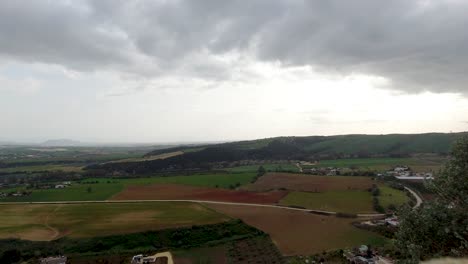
x=46 y=222
x=205 y=180
x=76 y=192
x=390 y=196
x=335 y=201
x=268 y=167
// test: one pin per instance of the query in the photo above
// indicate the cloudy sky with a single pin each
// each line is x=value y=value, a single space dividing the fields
x=210 y=70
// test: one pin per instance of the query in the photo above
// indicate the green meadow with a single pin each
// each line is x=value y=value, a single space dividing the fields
x=335 y=201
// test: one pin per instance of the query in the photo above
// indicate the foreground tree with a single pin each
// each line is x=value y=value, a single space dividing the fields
x=440 y=227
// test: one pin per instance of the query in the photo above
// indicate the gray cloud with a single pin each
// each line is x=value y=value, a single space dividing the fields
x=419 y=45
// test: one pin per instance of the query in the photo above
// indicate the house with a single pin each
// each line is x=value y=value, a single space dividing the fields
x=392 y=221
x=163 y=257
x=54 y=260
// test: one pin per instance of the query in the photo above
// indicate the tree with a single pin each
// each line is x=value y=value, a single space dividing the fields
x=261 y=171
x=439 y=227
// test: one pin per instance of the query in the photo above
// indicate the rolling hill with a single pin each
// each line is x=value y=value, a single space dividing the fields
x=290 y=148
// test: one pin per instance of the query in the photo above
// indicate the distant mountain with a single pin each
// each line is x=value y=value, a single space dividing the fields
x=293 y=148
x=61 y=143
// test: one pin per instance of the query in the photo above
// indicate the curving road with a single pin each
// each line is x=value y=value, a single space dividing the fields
x=418 y=198
x=418 y=203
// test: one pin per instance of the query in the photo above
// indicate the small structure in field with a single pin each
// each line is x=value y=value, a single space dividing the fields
x=54 y=260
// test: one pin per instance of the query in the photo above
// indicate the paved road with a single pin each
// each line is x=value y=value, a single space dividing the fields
x=197 y=201
x=418 y=198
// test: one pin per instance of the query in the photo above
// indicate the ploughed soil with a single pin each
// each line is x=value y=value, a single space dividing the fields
x=299 y=233
x=309 y=183
x=183 y=192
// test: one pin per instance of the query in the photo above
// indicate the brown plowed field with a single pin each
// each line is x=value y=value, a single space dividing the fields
x=309 y=183
x=300 y=233
x=183 y=192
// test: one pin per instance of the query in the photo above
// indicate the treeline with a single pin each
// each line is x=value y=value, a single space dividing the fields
x=14 y=250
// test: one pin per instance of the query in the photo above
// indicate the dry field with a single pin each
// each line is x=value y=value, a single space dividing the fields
x=48 y=222
x=309 y=183
x=183 y=192
x=300 y=233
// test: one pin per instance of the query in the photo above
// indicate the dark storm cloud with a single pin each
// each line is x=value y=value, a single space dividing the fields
x=418 y=45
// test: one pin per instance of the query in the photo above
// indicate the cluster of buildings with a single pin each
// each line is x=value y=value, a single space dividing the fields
x=365 y=255
x=389 y=221
x=405 y=173
x=14 y=194
x=163 y=257
x=328 y=171
x=54 y=260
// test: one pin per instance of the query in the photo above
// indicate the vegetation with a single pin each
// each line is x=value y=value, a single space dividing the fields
x=105 y=188
x=269 y=167
x=439 y=227
x=254 y=250
x=146 y=242
x=335 y=201
x=291 y=148
x=46 y=222
x=391 y=197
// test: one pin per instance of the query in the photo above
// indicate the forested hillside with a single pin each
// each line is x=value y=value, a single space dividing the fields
x=290 y=148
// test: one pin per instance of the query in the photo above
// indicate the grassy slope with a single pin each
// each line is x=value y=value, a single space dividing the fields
x=36 y=222
x=391 y=196
x=336 y=201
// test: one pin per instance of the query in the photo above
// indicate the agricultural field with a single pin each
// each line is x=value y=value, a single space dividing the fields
x=309 y=183
x=75 y=192
x=183 y=192
x=390 y=196
x=268 y=167
x=38 y=168
x=301 y=233
x=47 y=222
x=104 y=188
x=221 y=180
x=254 y=250
x=334 y=201
x=155 y=157
x=217 y=254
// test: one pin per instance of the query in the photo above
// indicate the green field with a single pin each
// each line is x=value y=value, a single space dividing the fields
x=390 y=196
x=223 y=180
x=46 y=222
x=335 y=201
x=268 y=167
x=104 y=188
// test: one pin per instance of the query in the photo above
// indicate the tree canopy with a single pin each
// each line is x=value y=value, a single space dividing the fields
x=439 y=227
